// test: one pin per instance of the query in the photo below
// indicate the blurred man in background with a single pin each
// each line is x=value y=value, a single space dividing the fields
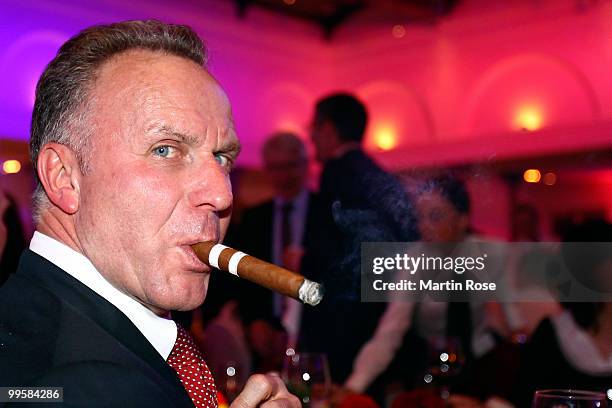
x=277 y=231
x=359 y=202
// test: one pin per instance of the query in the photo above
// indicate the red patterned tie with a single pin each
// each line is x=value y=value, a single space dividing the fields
x=193 y=372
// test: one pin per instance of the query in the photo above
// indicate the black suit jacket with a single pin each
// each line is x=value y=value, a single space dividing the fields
x=359 y=202
x=55 y=331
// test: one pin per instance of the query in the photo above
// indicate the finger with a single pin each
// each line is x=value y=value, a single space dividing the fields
x=280 y=398
x=260 y=388
x=291 y=401
x=257 y=389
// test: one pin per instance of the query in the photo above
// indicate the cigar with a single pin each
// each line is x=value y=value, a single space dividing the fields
x=260 y=272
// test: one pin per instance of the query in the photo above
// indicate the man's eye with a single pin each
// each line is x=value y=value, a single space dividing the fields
x=223 y=160
x=164 y=151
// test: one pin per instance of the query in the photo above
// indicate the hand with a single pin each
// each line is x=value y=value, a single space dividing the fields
x=265 y=391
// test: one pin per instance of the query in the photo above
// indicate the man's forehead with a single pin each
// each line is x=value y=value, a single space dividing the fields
x=143 y=69
x=169 y=94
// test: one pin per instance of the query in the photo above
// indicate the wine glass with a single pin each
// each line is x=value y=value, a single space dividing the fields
x=569 y=399
x=307 y=376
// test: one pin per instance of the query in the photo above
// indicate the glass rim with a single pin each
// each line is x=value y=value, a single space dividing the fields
x=571 y=394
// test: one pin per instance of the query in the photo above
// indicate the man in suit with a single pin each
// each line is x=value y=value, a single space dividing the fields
x=359 y=202
x=278 y=229
x=132 y=141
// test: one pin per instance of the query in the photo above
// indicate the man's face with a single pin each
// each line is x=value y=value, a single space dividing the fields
x=324 y=138
x=287 y=172
x=162 y=146
x=438 y=220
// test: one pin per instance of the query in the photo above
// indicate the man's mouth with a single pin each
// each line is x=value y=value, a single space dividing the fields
x=193 y=261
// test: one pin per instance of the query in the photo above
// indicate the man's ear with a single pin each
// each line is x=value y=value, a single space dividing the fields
x=60 y=175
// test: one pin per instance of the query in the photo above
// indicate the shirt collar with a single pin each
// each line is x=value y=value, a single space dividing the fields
x=159 y=331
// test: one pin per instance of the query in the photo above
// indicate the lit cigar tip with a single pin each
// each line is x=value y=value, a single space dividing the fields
x=311 y=292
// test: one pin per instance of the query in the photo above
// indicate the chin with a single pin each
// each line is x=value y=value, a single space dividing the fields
x=187 y=296
x=186 y=306
x=181 y=304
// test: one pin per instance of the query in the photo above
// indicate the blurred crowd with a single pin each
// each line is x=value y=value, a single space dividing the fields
x=381 y=353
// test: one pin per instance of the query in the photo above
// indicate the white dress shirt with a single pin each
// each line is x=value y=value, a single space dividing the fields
x=579 y=347
x=159 y=331
x=376 y=354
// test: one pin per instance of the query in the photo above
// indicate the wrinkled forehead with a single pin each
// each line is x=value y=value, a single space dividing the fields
x=138 y=87
x=139 y=72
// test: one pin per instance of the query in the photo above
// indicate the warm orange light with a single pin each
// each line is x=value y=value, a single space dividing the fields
x=385 y=138
x=398 y=31
x=289 y=125
x=550 y=179
x=532 y=176
x=289 y=2
x=529 y=118
x=11 y=167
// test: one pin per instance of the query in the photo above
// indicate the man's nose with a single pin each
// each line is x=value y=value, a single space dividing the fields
x=211 y=187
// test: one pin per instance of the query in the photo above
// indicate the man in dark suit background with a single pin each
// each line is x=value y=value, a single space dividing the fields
x=276 y=231
x=359 y=202
x=132 y=141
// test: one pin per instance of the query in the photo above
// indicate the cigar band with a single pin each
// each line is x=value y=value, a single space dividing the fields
x=234 y=260
x=213 y=256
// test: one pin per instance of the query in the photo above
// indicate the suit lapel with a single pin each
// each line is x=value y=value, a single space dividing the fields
x=102 y=313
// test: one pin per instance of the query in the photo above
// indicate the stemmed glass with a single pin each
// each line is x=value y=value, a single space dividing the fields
x=569 y=399
x=307 y=376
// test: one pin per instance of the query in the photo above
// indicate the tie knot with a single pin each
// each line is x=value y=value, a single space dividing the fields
x=185 y=350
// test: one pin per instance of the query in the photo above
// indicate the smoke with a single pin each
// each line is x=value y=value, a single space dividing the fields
x=388 y=216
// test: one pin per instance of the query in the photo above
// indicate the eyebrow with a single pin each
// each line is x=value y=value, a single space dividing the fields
x=229 y=144
x=169 y=131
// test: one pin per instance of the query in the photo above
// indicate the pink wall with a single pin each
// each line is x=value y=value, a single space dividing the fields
x=465 y=78
x=445 y=94
x=470 y=77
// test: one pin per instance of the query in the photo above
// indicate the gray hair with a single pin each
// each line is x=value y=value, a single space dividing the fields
x=64 y=90
x=286 y=142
